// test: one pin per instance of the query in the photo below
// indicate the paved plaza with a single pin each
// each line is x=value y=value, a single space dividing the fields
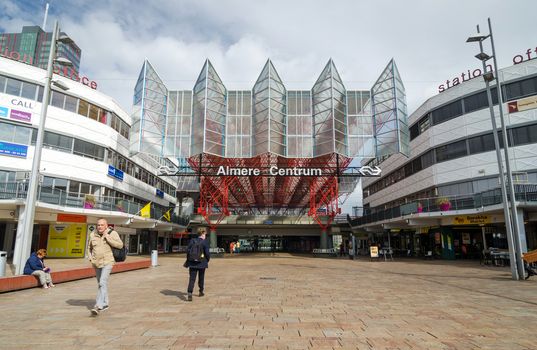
x=283 y=302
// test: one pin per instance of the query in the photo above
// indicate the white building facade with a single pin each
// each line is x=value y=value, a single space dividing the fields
x=446 y=197
x=86 y=169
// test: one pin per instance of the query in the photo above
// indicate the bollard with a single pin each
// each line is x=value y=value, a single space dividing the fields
x=154 y=258
x=3 y=262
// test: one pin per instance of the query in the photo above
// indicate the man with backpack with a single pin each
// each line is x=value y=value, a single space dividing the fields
x=99 y=251
x=197 y=260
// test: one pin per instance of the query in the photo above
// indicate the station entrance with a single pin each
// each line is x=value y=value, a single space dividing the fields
x=268 y=244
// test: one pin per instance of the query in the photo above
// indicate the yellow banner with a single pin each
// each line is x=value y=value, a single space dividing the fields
x=145 y=212
x=471 y=220
x=66 y=241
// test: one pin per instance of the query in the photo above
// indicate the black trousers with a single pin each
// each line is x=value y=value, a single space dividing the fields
x=192 y=280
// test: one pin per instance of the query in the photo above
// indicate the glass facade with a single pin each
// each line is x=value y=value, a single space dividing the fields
x=269 y=118
x=390 y=113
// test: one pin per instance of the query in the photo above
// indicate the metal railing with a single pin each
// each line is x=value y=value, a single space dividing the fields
x=523 y=193
x=18 y=190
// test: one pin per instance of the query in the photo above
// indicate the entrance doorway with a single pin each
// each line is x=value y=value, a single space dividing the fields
x=270 y=244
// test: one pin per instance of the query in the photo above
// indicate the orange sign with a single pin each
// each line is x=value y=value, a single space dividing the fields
x=71 y=218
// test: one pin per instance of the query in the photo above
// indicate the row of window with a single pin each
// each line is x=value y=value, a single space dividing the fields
x=26 y=135
x=511 y=91
x=518 y=136
x=76 y=188
x=15 y=87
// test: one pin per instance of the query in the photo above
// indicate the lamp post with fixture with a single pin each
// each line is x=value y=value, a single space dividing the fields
x=23 y=241
x=511 y=221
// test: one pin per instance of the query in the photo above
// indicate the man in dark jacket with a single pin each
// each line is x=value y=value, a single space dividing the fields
x=197 y=264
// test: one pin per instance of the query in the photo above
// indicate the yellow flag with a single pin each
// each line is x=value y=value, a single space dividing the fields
x=167 y=215
x=145 y=212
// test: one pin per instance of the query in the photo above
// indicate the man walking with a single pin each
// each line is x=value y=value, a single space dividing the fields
x=101 y=257
x=197 y=260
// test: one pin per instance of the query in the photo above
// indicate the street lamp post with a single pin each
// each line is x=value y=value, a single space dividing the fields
x=23 y=241
x=511 y=222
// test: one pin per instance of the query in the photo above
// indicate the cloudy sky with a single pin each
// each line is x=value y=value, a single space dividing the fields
x=425 y=37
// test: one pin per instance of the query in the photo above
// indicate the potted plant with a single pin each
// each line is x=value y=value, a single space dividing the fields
x=443 y=203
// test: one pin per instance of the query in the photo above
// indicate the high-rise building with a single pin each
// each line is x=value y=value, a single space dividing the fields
x=32 y=46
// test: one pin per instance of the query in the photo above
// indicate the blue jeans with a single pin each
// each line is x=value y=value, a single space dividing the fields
x=102 y=275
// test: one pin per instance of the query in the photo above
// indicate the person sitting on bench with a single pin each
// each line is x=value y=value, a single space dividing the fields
x=35 y=266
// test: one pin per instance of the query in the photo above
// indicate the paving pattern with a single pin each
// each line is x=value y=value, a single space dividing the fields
x=283 y=302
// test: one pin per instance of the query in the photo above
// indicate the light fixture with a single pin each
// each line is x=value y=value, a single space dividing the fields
x=483 y=56
x=489 y=76
x=60 y=84
x=65 y=39
x=63 y=61
x=476 y=37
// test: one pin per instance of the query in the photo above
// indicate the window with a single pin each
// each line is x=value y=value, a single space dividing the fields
x=479 y=144
x=71 y=103
x=57 y=99
x=447 y=112
x=58 y=142
x=451 y=151
x=15 y=133
x=94 y=112
x=13 y=87
x=87 y=149
x=28 y=90
x=2 y=83
x=518 y=89
x=83 y=107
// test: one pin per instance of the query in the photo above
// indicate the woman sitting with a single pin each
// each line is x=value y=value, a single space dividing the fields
x=35 y=266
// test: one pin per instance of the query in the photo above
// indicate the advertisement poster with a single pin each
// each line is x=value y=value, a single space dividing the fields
x=66 y=241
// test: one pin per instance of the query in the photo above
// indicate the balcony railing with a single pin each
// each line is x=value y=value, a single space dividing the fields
x=18 y=190
x=523 y=193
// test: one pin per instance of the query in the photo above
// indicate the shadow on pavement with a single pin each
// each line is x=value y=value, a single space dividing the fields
x=180 y=295
x=88 y=303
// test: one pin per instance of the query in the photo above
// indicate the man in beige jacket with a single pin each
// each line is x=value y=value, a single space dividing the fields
x=100 y=255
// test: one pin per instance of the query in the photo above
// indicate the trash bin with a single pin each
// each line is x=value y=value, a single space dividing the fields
x=154 y=258
x=3 y=262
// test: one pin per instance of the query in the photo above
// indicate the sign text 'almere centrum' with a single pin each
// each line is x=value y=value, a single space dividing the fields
x=273 y=171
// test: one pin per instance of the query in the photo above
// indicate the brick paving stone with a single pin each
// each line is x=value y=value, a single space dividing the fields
x=307 y=304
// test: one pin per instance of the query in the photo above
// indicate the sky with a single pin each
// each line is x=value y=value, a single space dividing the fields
x=426 y=38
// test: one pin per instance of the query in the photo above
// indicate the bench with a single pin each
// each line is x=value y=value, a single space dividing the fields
x=331 y=252
x=8 y=284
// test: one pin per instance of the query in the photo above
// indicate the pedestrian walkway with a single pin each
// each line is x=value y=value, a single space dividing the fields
x=62 y=264
x=283 y=302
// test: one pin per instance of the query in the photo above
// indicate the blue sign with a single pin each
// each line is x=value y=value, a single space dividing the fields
x=12 y=149
x=160 y=193
x=118 y=174
x=3 y=112
x=268 y=222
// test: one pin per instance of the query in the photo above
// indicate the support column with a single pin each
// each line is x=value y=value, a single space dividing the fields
x=521 y=239
x=212 y=238
x=324 y=238
x=9 y=238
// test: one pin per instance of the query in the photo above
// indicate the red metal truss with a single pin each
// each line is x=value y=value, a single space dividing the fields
x=219 y=194
x=324 y=201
